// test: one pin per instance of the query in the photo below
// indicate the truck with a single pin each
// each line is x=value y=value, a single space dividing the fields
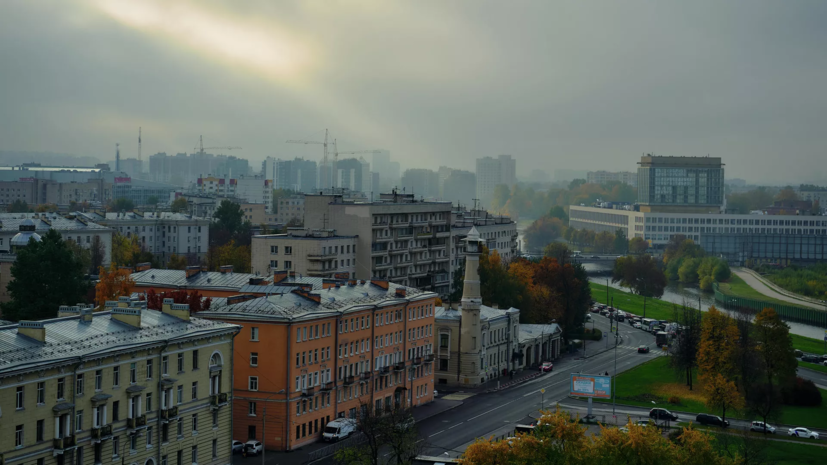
x=662 y=338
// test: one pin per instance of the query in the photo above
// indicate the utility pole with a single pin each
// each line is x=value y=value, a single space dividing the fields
x=614 y=375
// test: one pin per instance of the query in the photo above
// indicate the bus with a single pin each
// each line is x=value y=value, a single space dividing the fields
x=661 y=338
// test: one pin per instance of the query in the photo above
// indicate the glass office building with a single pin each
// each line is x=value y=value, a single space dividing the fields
x=680 y=181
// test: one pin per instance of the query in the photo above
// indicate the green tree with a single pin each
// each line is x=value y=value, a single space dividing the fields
x=688 y=271
x=229 y=216
x=18 y=206
x=558 y=251
x=46 y=275
x=637 y=245
x=776 y=360
x=177 y=262
x=604 y=241
x=500 y=197
x=621 y=243
x=179 y=205
x=749 y=201
x=721 y=272
x=457 y=284
x=542 y=231
x=787 y=193
x=560 y=213
x=576 y=183
x=641 y=274
x=121 y=204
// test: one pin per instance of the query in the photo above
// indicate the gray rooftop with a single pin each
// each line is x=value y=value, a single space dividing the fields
x=530 y=332
x=486 y=313
x=45 y=221
x=68 y=338
x=133 y=216
x=334 y=300
x=202 y=280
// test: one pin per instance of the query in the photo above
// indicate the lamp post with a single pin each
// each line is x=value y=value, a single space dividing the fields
x=264 y=425
x=614 y=375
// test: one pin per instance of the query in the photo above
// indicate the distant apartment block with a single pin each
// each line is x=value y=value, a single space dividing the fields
x=494 y=171
x=422 y=183
x=314 y=253
x=35 y=191
x=255 y=189
x=298 y=175
x=216 y=186
x=290 y=208
x=498 y=232
x=460 y=186
x=602 y=177
x=256 y=214
x=182 y=169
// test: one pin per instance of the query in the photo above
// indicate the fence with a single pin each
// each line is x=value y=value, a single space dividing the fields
x=790 y=312
x=355 y=440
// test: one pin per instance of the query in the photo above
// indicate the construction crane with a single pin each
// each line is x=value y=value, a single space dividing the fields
x=358 y=151
x=328 y=170
x=325 y=143
x=201 y=147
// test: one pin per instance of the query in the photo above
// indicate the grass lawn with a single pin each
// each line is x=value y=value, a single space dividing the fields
x=655 y=381
x=812 y=366
x=663 y=310
x=787 y=453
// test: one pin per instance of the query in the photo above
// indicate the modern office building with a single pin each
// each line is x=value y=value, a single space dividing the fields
x=307 y=357
x=680 y=184
x=124 y=385
x=316 y=253
x=399 y=238
x=602 y=177
x=162 y=233
x=492 y=172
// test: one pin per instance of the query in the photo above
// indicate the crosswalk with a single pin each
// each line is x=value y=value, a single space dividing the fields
x=652 y=350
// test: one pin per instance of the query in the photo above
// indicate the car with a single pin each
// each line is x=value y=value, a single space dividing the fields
x=436 y=393
x=406 y=424
x=588 y=317
x=824 y=363
x=643 y=349
x=596 y=256
x=638 y=326
x=802 y=433
x=595 y=309
x=810 y=358
x=713 y=420
x=662 y=414
x=546 y=367
x=238 y=446
x=760 y=426
x=252 y=447
x=644 y=423
x=339 y=428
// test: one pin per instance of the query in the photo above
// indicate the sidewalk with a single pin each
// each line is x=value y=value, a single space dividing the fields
x=803 y=300
x=762 y=286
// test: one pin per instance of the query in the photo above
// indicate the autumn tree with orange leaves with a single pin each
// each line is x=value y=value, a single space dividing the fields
x=716 y=361
x=113 y=283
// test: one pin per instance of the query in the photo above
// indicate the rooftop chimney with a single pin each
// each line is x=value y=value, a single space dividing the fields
x=401 y=292
x=143 y=266
x=65 y=310
x=127 y=268
x=192 y=271
x=86 y=315
x=180 y=311
x=226 y=269
x=279 y=276
x=124 y=301
x=129 y=316
x=32 y=329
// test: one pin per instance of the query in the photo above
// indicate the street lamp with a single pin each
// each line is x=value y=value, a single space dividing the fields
x=264 y=425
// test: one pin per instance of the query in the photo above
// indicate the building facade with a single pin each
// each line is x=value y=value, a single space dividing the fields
x=78 y=229
x=602 y=177
x=310 y=356
x=257 y=214
x=494 y=171
x=126 y=385
x=399 y=238
x=220 y=187
x=255 y=189
x=420 y=182
x=499 y=233
x=318 y=253
x=685 y=184
x=35 y=191
x=290 y=208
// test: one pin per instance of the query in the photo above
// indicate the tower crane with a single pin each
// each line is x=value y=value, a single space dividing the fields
x=201 y=147
x=324 y=160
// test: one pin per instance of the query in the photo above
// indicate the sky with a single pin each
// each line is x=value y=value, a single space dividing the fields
x=556 y=84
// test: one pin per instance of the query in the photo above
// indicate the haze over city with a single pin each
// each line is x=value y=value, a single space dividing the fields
x=558 y=85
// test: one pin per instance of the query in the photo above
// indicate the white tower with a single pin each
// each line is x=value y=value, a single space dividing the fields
x=470 y=332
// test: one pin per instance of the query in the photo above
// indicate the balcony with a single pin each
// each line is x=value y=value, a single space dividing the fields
x=442 y=259
x=398 y=251
x=418 y=274
x=442 y=234
x=309 y=391
x=437 y=222
x=418 y=248
x=383 y=238
x=218 y=400
x=433 y=247
x=380 y=225
x=384 y=370
x=364 y=376
x=430 y=358
x=514 y=237
x=401 y=224
x=328 y=386
x=321 y=256
x=399 y=366
x=136 y=422
x=349 y=380
x=424 y=234
x=169 y=413
x=61 y=444
x=382 y=266
x=417 y=361
x=104 y=432
x=378 y=252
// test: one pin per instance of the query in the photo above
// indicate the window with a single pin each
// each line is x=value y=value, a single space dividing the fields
x=215 y=448
x=18 y=436
x=115 y=408
x=60 y=388
x=274 y=249
x=116 y=376
x=194 y=390
x=180 y=362
x=253 y=359
x=288 y=264
x=194 y=454
x=133 y=373
x=194 y=359
x=194 y=423
x=253 y=383
x=254 y=333
x=19 y=401
x=148 y=437
x=79 y=384
x=179 y=457
x=116 y=441
x=180 y=393
x=98 y=380
x=180 y=427
x=148 y=402
x=251 y=410
x=39 y=430
x=79 y=420
x=149 y=369
x=288 y=250
x=165 y=365
x=41 y=392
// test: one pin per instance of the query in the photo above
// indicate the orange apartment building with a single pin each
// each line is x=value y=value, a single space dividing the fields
x=306 y=357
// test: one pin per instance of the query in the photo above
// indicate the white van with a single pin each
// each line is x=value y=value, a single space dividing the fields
x=339 y=428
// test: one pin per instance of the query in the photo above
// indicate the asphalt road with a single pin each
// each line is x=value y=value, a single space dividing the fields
x=493 y=414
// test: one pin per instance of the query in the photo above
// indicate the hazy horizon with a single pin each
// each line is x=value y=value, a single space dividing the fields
x=558 y=85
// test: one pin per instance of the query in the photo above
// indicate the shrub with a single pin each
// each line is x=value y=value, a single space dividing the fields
x=706 y=283
x=801 y=392
x=675 y=400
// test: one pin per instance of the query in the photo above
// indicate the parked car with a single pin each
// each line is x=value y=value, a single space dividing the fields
x=662 y=414
x=339 y=428
x=596 y=256
x=802 y=433
x=713 y=420
x=759 y=426
x=643 y=349
x=238 y=446
x=588 y=317
x=546 y=367
x=638 y=326
x=811 y=358
x=824 y=363
x=252 y=447
x=644 y=423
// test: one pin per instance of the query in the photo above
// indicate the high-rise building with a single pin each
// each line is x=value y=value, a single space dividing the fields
x=492 y=172
x=460 y=187
x=423 y=183
x=350 y=174
x=388 y=170
x=297 y=175
x=680 y=184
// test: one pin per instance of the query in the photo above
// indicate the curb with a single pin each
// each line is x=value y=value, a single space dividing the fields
x=514 y=383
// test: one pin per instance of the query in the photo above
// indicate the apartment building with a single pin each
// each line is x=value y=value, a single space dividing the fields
x=290 y=208
x=81 y=230
x=125 y=385
x=307 y=357
x=36 y=191
x=398 y=238
x=162 y=233
x=494 y=171
x=601 y=177
x=499 y=232
x=316 y=253
x=257 y=214
x=255 y=189
x=212 y=185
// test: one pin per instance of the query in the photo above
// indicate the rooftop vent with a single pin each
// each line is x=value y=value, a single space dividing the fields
x=32 y=329
x=143 y=266
x=192 y=271
x=226 y=269
x=129 y=316
x=180 y=311
x=86 y=315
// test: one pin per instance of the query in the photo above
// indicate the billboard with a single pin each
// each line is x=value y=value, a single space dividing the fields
x=591 y=386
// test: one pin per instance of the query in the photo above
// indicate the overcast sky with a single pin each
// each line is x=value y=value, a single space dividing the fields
x=577 y=85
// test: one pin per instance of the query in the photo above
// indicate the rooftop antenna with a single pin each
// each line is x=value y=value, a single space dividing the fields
x=139 y=144
x=117 y=156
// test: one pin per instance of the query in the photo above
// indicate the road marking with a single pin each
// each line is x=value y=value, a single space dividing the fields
x=495 y=408
x=456 y=425
x=436 y=433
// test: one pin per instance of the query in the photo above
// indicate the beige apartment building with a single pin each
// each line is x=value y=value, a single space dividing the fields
x=316 y=253
x=125 y=385
x=256 y=213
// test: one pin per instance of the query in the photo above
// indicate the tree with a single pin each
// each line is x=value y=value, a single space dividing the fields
x=719 y=339
x=621 y=243
x=685 y=348
x=45 y=276
x=457 y=284
x=641 y=274
x=82 y=254
x=18 y=206
x=230 y=254
x=121 y=204
x=114 y=283
x=497 y=285
x=124 y=249
x=558 y=251
x=177 y=262
x=604 y=240
x=637 y=245
x=194 y=299
x=576 y=183
x=776 y=360
x=787 y=193
x=688 y=271
x=179 y=205
x=721 y=272
x=393 y=429
x=559 y=212
x=229 y=216
x=749 y=201
x=499 y=197
x=46 y=207
x=542 y=231
x=97 y=253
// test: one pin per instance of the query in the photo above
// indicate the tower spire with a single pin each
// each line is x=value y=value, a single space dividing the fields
x=471 y=361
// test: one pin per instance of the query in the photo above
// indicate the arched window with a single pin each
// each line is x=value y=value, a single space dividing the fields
x=216 y=360
x=150 y=461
